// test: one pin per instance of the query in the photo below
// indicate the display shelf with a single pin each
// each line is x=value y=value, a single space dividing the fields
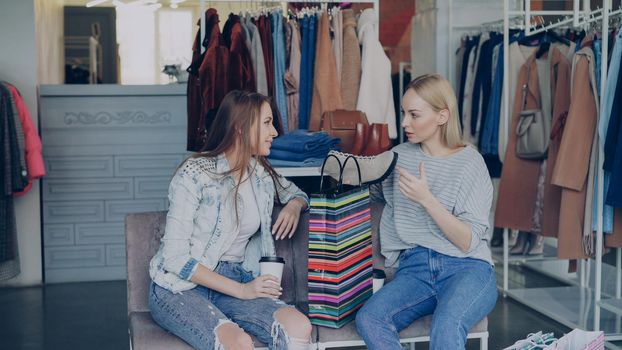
x=297 y=172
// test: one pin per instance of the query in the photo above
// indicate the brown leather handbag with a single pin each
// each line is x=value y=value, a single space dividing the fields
x=342 y=124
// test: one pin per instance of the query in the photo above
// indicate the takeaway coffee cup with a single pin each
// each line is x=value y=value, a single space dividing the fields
x=378 y=277
x=272 y=265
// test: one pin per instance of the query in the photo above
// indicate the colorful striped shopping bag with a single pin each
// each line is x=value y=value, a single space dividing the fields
x=340 y=253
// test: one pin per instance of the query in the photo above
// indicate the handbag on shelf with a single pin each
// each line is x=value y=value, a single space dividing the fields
x=342 y=124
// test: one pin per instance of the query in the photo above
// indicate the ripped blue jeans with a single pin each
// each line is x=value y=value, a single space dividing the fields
x=194 y=315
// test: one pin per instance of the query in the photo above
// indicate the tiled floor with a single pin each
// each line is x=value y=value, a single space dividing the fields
x=93 y=316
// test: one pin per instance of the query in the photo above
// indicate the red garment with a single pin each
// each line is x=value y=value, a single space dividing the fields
x=34 y=158
x=225 y=65
x=241 y=74
x=265 y=32
x=207 y=81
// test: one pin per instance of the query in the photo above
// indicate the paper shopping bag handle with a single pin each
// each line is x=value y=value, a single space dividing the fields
x=343 y=167
x=322 y=170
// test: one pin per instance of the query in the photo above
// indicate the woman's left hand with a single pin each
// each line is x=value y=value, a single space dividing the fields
x=285 y=225
x=414 y=188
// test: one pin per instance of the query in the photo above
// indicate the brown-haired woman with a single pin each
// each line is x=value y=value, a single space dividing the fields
x=205 y=284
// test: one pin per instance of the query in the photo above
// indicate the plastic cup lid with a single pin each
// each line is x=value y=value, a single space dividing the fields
x=272 y=259
x=377 y=273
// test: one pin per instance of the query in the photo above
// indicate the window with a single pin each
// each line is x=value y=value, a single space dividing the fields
x=149 y=38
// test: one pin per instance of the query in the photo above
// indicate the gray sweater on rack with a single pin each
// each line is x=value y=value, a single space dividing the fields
x=460 y=182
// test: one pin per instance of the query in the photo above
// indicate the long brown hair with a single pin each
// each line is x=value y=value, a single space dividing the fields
x=438 y=93
x=239 y=111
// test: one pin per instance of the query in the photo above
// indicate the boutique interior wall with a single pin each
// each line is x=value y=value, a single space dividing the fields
x=431 y=49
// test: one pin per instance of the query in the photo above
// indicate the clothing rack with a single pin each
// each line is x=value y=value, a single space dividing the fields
x=550 y=301
x=295 y=171
x=376 y=7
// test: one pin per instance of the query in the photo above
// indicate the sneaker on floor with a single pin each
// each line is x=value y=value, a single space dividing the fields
x=374 y=169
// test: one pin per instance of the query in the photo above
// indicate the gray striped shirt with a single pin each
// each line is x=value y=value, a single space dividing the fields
x=462 y=185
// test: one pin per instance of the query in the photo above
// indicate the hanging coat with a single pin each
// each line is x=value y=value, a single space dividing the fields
x=265 y=32
x=573 y=159
x=13 y=178
x=326 y=89
x=351 y=70
x=292 y=77
x=376 y=90
x=240 y=75
x=517 y=57
x=518 y=185
x=207 y=81
x=560 y=90
x=33 y=149
x=256 y=50
x=337 y=30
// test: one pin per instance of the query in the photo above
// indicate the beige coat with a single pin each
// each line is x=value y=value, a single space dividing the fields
x=337 y=28
x=350 y=72
x=573 y=159
x=560 y=87
x=326 y=89
x=292 y=78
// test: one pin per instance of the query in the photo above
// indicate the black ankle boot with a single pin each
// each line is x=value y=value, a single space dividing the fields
x=497 y=237
x=521 y=245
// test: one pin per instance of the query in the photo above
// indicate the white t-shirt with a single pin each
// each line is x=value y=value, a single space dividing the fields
x=249 y=223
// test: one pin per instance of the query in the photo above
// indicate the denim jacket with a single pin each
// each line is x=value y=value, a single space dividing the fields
x=201 y=223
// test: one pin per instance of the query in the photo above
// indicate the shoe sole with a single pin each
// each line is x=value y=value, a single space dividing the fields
x=386 y=173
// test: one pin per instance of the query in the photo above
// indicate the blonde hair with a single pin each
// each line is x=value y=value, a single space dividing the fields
x=438 y=93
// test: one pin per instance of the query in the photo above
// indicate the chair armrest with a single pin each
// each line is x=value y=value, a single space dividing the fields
x=295 y=251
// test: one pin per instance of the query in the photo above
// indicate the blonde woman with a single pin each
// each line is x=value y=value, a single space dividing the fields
x=434 y=228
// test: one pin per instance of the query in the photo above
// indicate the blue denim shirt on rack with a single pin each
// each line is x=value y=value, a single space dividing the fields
x=201 y=226
x=278 y=42
x=489 y=138
x=596 y=48
x=309 y=72
x=303 y=118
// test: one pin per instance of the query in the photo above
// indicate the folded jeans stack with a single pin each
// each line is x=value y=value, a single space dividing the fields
x=301 y=148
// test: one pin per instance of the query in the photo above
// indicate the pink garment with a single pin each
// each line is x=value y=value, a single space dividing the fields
x=34 y=157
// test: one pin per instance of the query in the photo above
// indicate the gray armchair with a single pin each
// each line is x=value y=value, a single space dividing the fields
x=143 y=233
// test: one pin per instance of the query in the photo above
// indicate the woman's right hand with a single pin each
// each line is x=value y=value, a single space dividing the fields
x=265 y=286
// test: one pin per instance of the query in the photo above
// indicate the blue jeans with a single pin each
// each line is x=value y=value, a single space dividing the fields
x=195 y=314
x=458 y=292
